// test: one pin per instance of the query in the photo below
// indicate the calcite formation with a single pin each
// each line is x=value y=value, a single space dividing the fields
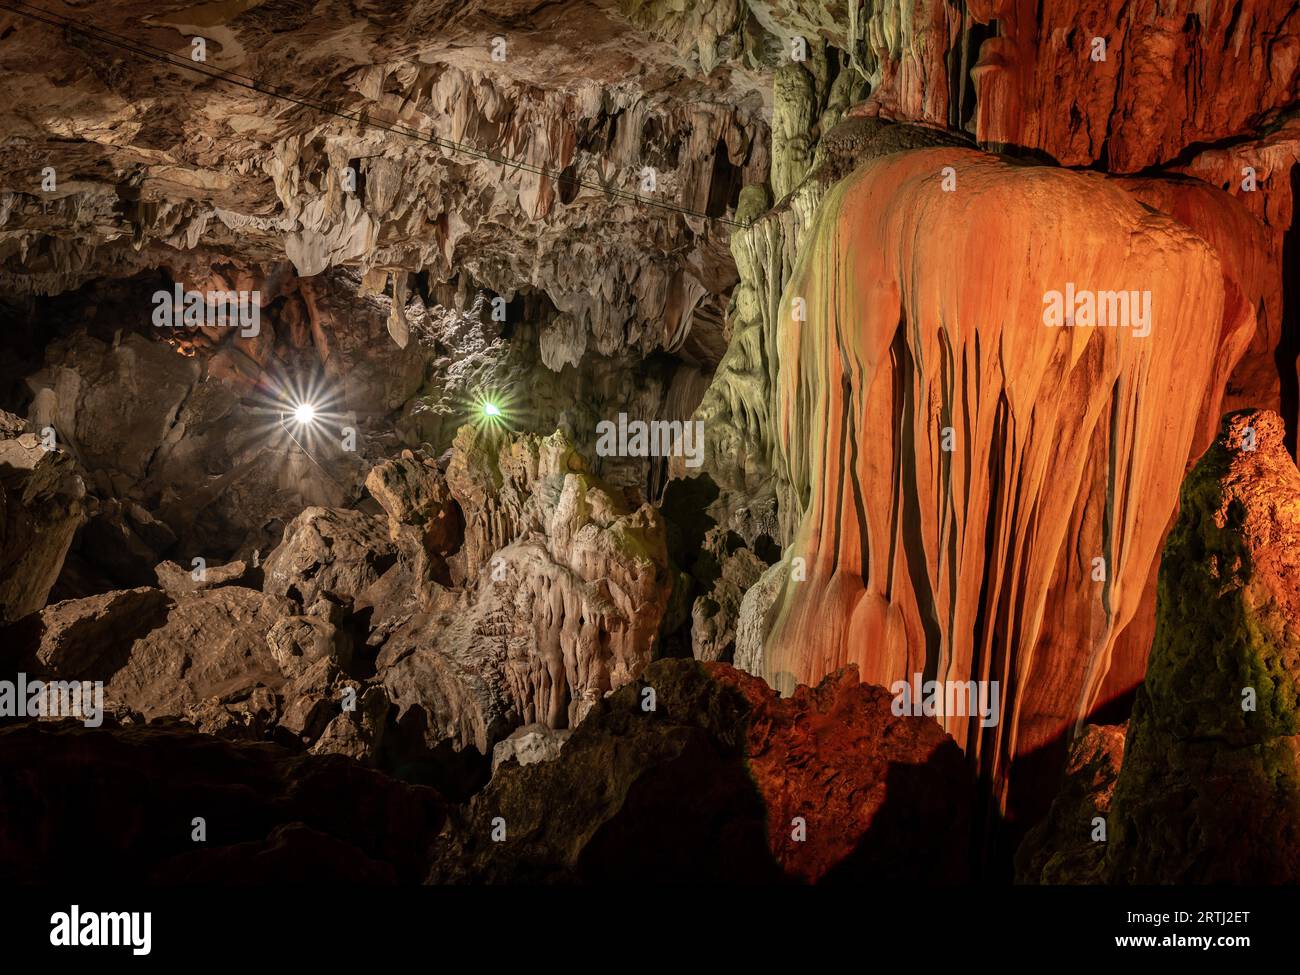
x=980 y=495
x=565 y=582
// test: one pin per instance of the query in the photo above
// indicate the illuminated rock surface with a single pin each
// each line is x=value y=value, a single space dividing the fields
x=715 y=783
x=1210 y=788
x=978 y=562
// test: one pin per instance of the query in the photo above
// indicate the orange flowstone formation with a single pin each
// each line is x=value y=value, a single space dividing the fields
x=982 y=496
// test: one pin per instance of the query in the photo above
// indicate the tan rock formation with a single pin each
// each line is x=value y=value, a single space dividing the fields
x=41 y=507
x=566 y=584
x=157 y=656
x=329 y=552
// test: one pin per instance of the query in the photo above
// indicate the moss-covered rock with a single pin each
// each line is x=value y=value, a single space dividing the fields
x=1229 y=584
x=1209 y=791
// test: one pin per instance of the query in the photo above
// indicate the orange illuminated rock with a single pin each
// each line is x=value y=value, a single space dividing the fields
x=1131 y=84
x=978 y=494
x=849 y=784
x=1250 y=255
x=1208 y=791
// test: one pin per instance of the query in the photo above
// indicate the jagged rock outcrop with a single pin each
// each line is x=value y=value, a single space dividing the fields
x=293 y=658
x=1209 y=791
x=970 y=488
x=528 y=745
x=231 y=661
x=174 y=579
x=721 y=780
x=413 y=494
x=158 y=654
x=269 y=816
x=565 y=581
x=69 y=638
x=1068 y=846
x=41 y=508
x=335 y=553
x=714 y=616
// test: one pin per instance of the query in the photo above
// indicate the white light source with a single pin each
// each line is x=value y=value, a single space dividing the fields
x=304 y=414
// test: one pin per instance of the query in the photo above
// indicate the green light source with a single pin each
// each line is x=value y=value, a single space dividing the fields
x=491 y=409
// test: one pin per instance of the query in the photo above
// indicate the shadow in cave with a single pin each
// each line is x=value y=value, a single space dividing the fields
x=1116 y=710
x=456 y=775
x=111 y=634
x=1288 y=349
x=923 y=833
x=686 y=521
x=692 y=808
x=698 y=818
x=1036 y=779
x=131 y=794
